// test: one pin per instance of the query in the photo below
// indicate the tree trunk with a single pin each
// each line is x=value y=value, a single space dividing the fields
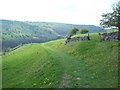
x=119 y=28
x=119 y=33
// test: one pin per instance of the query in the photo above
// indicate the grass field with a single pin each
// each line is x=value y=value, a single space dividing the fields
x=83 y=64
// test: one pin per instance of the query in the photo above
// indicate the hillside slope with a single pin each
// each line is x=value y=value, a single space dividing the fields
x=82 y=64
x=16 y=32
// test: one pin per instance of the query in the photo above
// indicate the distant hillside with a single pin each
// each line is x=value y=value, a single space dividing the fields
x=15 y=32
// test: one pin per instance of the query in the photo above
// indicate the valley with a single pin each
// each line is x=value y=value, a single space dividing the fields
x=15 y=33
x=58 y=44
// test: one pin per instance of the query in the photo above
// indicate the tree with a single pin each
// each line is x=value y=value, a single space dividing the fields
x=73 y=31
x=113 y=18
x=83 y=30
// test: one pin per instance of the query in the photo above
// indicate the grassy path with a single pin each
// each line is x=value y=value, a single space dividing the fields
x=52 y=64
x=69 y=65
x=39 y=66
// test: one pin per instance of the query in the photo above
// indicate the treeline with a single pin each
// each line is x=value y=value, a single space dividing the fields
x=7 y=44
x=15 y=33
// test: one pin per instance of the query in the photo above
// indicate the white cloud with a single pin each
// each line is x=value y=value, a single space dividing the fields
x=66 y=11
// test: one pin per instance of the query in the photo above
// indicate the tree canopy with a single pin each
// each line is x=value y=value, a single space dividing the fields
x=73 y=31
x=112 y=18
x=83 y=30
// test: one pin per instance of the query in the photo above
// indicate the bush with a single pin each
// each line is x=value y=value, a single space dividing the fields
x=83 y=30
x=73 y=31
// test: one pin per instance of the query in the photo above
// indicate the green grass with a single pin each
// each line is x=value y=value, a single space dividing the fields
x=83 y=64
x=30 y=67
x=0 y=72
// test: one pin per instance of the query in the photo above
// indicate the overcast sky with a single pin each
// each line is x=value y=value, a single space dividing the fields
x=65 y=11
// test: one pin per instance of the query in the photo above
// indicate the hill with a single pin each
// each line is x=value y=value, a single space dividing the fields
x=83 y=64
x=15 y=33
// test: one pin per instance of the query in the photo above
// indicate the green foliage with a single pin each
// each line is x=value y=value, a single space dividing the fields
x=73 y=31
x=83 y=30
x=112 y=30
x=43 y=30
x=112 y=19
x=16 y=32
x=84 y=64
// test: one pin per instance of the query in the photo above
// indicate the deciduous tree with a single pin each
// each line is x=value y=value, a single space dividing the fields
x=73 y=31
x=83 y=30
x=112 y=18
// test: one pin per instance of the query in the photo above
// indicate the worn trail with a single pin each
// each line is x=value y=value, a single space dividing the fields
x=67 y=62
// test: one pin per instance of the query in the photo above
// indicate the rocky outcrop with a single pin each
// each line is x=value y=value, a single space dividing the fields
x=109 y=36
x=78 y=38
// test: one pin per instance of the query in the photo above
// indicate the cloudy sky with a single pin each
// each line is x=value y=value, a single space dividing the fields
x=65 y=11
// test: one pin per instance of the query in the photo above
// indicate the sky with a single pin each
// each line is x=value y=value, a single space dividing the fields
x=64 y=11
